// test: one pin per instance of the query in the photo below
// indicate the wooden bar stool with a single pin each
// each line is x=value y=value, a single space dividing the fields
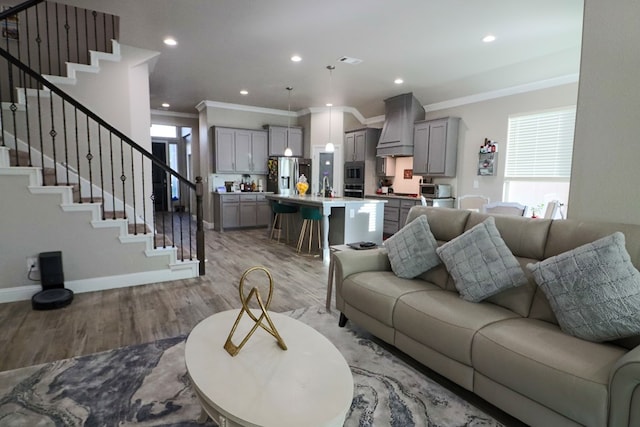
x=309 y=215
x=279 y=209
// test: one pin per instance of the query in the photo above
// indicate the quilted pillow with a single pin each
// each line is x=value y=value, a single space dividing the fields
x=412 y=250
x=480 y=262
x=594 y=289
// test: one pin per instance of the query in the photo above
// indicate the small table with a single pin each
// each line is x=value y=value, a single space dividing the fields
x=310 y=384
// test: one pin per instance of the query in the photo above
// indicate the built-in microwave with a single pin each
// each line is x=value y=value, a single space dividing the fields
x=435 y=191
x=354 y=173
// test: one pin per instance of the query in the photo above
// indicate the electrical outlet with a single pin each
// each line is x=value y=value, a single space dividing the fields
x=32 y=263
x=475 y=183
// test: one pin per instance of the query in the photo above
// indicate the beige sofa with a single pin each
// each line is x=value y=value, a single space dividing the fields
x=508 y=349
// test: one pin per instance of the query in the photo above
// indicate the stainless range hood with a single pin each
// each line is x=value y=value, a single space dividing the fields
x=401 y=112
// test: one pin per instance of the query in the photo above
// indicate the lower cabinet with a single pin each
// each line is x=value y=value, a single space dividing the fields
x=395 y=213
x=240 y=210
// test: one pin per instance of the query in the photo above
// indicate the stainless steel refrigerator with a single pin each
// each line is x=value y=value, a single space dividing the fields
x=284 y=173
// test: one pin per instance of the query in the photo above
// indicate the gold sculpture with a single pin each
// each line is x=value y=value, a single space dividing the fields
x=233 y=349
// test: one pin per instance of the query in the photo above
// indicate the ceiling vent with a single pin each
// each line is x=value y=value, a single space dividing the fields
x=349 y=60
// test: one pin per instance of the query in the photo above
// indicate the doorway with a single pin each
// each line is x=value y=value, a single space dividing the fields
x=159 y=178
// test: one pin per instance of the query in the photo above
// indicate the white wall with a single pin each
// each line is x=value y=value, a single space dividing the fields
x=489 y=119
x=606 y=172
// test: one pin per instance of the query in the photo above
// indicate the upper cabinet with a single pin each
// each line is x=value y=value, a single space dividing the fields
x=435 y=148
x=280 y=139
x=360 y=145
x=239 y=151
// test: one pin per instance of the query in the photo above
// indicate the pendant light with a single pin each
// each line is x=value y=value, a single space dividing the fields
x=287 y=151
x=330 y=148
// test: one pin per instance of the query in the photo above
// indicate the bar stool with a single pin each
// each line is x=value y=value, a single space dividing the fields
x=279 y=209
x=309 y=215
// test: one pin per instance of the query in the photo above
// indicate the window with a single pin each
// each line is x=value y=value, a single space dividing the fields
x=173 y=164
x=163 y=131
x=538 y=157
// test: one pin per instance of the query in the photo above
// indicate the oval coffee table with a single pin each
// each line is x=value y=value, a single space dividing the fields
x=310 y=384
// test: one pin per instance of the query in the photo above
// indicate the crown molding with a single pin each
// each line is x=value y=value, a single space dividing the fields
x=174 y=114
x=514 y=90
x=456 y=102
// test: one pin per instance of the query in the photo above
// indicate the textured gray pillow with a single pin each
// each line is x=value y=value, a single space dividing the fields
x=480 y=262
x=412 y=250
x=594 y=289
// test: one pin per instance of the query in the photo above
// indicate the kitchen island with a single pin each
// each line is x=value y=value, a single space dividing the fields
x=344 y=219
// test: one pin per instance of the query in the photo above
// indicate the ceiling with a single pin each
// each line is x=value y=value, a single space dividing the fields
x=434 y=45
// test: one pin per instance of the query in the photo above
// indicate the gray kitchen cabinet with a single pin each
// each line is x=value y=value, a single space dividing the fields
x=281 y=137
x=385 y=166
x=405 y=206
x=240 y=210
x=360 y=145
x=391 y=216
x=239 y=150
x=435 y=147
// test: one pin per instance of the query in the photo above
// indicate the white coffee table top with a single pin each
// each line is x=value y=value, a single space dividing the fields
x=310 y=384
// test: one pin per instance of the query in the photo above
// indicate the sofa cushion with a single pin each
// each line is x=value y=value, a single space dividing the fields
x=594 y=289
x=480 y=262
x=376 y=292
x=536 y=359
x=441 y=320
x=412 y=250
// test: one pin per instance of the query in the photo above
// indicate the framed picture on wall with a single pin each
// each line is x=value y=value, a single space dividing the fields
x=9 y=26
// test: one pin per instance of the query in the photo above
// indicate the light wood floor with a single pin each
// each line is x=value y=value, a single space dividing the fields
x=98 y=321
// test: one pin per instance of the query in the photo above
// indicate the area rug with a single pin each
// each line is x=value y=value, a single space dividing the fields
x=147 y=385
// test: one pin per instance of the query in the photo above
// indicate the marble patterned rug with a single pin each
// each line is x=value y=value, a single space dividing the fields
x=147 y=385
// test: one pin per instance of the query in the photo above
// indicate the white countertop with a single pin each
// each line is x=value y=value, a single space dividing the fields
x=322 y=201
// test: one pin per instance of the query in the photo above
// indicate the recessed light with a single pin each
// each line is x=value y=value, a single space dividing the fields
x=296 y=58
x=329 y=104
x=165 y=105
x=489 y=38
x=170 y=41
x=398 y=81
x=244 y=92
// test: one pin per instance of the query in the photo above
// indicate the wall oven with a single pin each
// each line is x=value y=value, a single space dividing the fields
x=354 y=190
x=354 y=173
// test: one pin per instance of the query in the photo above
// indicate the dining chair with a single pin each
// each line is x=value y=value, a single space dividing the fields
x=504 y=208
x=552 y=209
x=472 y=202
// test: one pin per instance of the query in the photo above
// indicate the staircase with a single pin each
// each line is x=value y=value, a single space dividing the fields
x=72 y=182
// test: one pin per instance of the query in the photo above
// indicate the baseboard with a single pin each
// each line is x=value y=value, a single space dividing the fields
x=22 y=293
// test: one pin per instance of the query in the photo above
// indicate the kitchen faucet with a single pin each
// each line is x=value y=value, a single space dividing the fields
x=325 y=186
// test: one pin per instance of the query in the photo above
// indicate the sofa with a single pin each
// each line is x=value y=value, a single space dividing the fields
x=509 y=348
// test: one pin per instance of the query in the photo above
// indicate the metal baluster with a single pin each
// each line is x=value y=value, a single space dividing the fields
x=113 y=182
x=2 y=143
x=40 y=134
x=20 y=75
x=144 y=205
x=104 y=29
x=86 y=32
x=101 y=166
x=153 y=217
x=78 y=153
x=75 y=10
x=133 y=193
x=26 y=17
x=13 y=108
x=95 y=27
x=89 y=157
x=123 y=178
x=180 y=215
x=58 y=39
x=39 y=41
x=199 y=225
x=26 y=115
x=46 y=9
x=66 y=30
x=190 y=225
x=164 y=230
x=66 y=141
x=53 y=134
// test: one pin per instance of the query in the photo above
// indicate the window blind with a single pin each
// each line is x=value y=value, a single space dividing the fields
x=540 y=145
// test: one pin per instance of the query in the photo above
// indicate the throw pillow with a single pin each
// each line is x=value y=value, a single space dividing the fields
x=594 y=289
x=412 y=250
x=480 y=262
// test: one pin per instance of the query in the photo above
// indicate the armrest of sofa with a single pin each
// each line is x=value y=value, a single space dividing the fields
x=624 y=381
x=351 y=262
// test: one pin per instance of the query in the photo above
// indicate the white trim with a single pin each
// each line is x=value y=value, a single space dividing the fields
x=185 y=270
x=514 y=90
x=248 y=108
x=174 y=114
